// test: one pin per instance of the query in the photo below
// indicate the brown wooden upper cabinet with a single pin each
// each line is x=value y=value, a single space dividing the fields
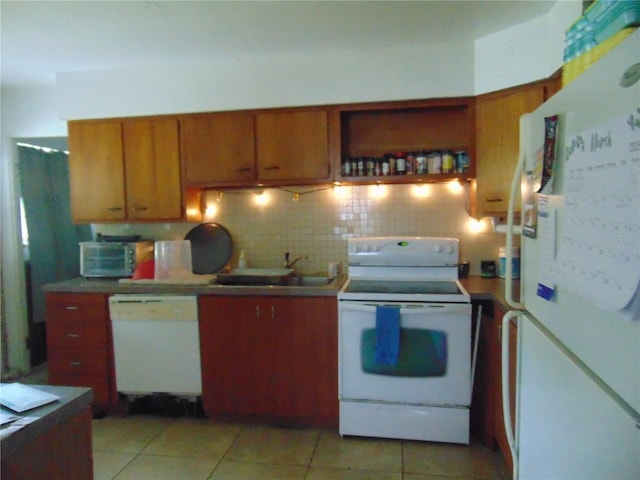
x=293 y=145
x=125 y=170
x=498 y=135
x=96 y=171
x=152 y=169
x=218 y=149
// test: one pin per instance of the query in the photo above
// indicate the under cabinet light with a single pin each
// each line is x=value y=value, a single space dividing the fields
x=261 y=198
x=211 y=211
x=421 y=190
x=379 y=191
x=454 y=186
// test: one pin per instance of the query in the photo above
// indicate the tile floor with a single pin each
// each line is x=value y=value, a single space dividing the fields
x=152 y=447
x=149 y=447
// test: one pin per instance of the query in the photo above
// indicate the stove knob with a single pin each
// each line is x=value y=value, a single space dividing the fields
x=450 y=248
x=437 y=248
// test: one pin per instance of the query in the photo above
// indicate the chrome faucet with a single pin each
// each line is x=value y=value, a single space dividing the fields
x=289 y=264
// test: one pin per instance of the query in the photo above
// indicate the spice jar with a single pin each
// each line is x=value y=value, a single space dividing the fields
x=370 y=166
x=434 y=162
x=411 y=163
x=401 y=163
x=462 y=161
x=346 y=167
x=385 y=165
x=447 y=161
x=421 y=162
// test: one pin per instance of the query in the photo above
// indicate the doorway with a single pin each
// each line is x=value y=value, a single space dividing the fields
x=49 y=237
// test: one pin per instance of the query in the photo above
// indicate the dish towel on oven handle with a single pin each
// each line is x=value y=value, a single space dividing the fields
x=387 y=334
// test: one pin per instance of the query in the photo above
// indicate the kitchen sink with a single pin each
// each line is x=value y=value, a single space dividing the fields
x=256 y=276
x=309 y=281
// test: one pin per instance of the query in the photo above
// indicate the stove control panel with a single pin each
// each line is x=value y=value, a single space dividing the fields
x=404 y=251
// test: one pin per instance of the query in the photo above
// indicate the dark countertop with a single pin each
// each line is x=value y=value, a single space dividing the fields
x=481 y=288
x=72 y=401
x=112 y=286
x=478 y=287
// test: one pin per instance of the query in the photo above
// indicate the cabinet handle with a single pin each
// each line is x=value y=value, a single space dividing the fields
x=273 y=312
x=257 y=311
x=75 y=363
x=245 y=169
x=115 y=209
x=493 y=200
x=139 y=209
x=71 y=307
x=273 y=167
x=72 y=335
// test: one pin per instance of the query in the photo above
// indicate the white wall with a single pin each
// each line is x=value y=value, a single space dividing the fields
x=526 y=52
x=238 y=83
x=28 y=112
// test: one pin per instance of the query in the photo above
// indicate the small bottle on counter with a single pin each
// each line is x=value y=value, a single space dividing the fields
x=242 y=261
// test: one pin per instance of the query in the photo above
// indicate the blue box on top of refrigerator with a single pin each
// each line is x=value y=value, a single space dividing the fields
x=578 y=358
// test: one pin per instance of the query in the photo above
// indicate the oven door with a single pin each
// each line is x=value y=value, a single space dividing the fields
x=434 y=361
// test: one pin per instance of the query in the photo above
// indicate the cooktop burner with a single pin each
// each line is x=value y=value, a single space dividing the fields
x=403 y=287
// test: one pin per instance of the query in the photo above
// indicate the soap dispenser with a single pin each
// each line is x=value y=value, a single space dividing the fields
x=242 y=261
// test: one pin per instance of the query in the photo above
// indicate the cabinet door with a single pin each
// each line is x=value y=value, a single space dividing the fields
x=313 y=371
x=152 y=167
x=484 y=385
x=498 y=135
x=79 y=343
x=270 y=356
x=96 y=171
x=500 y=433
x=235 y=355
x=293 y=145
x=218 y=149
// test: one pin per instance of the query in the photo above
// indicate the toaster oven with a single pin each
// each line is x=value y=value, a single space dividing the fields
x=113 y=259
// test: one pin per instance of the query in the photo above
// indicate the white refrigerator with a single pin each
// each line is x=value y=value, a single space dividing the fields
x=578 y=358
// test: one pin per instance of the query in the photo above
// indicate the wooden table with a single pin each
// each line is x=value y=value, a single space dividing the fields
x=55 y=446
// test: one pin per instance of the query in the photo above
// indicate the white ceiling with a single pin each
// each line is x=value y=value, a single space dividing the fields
x=41 y=38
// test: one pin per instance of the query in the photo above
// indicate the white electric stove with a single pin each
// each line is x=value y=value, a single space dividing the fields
x=424 y=393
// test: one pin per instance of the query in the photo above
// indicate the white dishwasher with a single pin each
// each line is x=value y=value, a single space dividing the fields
x=156 y=345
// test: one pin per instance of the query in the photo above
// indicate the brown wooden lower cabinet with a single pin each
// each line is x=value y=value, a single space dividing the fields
x=79 y=345
x=270 y=357
x=487 y=421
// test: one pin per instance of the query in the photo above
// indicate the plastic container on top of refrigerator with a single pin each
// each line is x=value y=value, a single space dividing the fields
x=617 y=16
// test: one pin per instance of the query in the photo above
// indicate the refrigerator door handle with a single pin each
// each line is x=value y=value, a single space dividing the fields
x=515 y=190
x=506 y=404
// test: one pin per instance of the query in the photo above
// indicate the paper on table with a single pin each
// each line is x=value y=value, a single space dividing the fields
x=7 y=418
x=19 y=397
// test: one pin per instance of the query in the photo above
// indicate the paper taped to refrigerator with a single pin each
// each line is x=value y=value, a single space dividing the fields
x=599 y=247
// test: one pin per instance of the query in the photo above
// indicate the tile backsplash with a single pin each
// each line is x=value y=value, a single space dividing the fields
x=317 y=221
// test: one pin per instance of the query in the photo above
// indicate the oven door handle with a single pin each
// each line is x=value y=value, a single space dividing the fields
x=404 y=307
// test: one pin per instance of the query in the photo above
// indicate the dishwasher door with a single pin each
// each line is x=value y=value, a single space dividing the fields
x=156 y=344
